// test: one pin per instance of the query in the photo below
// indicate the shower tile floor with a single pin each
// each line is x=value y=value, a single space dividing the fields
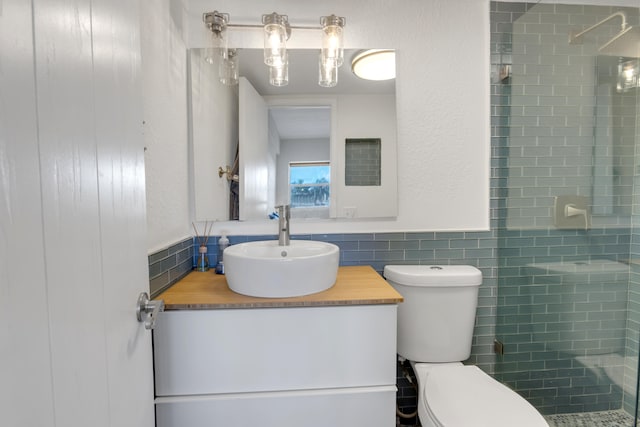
x=591 y=419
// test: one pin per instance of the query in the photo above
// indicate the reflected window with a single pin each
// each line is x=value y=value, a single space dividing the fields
x=309 y=184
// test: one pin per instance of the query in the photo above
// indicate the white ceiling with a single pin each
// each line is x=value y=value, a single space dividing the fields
x=302 y=122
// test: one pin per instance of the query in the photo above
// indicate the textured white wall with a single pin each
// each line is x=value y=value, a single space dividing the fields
x=442 y=104
x=164 y=70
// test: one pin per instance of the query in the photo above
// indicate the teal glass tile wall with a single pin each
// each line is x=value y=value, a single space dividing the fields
x=169 y=265
x=566 y=333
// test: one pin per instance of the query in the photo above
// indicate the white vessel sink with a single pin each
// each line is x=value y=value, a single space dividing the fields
x=265 y=269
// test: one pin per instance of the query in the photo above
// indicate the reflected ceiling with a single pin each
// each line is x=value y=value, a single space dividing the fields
x=303 y=75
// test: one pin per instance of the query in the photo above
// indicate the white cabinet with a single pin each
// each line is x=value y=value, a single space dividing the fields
x=305 y=366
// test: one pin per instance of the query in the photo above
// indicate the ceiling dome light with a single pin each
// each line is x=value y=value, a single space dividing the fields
x=375 y=64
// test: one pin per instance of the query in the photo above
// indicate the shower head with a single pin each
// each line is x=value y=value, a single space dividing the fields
x=626 y=43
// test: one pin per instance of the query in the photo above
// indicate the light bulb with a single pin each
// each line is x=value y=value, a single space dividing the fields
x=332 y=39
x=276 y=33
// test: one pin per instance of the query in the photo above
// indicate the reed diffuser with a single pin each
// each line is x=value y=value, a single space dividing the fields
x=202 y=263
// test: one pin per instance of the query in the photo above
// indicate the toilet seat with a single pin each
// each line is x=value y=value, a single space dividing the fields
x=457 y=395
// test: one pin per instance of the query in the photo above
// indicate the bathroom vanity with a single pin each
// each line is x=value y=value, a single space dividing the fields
x=326 y=359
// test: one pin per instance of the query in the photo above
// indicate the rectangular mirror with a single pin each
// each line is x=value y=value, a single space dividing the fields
x=247 y=138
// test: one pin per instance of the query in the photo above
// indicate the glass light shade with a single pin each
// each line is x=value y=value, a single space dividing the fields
x=275 y=39
x=220 y=43
x=628 y=75
x=209 y=56
x=228 y=69
x=279 y=76
x=332 y=40
x=375 y=64
x=327 y=73
x=217 y=24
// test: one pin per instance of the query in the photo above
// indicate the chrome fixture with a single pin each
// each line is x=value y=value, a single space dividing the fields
x=277 y=31
x=147 y=310
x=571 y=212
x=332 y=40
x=284 y=215
x=332 y=52
x=217 y=22
x=626 y=43
x=375 y=64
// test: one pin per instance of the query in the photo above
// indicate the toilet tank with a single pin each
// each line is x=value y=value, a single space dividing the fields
x=436 y=319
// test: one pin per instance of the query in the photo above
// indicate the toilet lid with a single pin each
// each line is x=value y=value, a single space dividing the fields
x=462 y=395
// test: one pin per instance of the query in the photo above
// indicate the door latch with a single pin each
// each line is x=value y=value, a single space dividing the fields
x=147 y=310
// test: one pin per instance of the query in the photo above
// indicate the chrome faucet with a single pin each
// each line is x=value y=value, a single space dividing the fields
x=284 y=213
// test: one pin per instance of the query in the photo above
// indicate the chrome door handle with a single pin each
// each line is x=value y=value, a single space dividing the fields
x=147 y=310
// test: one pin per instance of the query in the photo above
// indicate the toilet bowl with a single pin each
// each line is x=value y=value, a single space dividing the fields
x=435 y=330
x=457 y=395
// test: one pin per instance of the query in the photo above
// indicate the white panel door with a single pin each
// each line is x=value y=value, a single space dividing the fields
x=26 y=397
x=253 y=121
x=122 y=211
x=72 y=216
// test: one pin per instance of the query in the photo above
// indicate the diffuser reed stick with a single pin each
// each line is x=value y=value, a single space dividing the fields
x=203 y=259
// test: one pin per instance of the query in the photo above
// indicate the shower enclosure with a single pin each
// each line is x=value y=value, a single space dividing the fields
x=567 y=185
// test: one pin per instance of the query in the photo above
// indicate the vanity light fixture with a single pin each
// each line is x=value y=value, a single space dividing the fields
x=217 y=22
x=332 y=53
x=228 y=69
x=327 y=73
x=628 y=74
x=277 y=31
x=279 y=74
x=375 y=64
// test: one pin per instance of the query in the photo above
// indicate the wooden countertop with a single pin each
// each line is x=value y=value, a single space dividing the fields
x=358 y=285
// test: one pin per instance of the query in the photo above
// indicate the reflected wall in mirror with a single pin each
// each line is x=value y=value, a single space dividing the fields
x=282 y=129
x=303 y=169
x=614 y=133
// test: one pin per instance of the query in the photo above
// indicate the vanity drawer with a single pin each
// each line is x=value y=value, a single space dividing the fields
x=366 y=407
x=198 y=352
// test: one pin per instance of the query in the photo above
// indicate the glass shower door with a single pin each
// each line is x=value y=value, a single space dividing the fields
x=564 y=139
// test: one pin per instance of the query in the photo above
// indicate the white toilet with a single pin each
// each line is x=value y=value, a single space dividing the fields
x=435 y=330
